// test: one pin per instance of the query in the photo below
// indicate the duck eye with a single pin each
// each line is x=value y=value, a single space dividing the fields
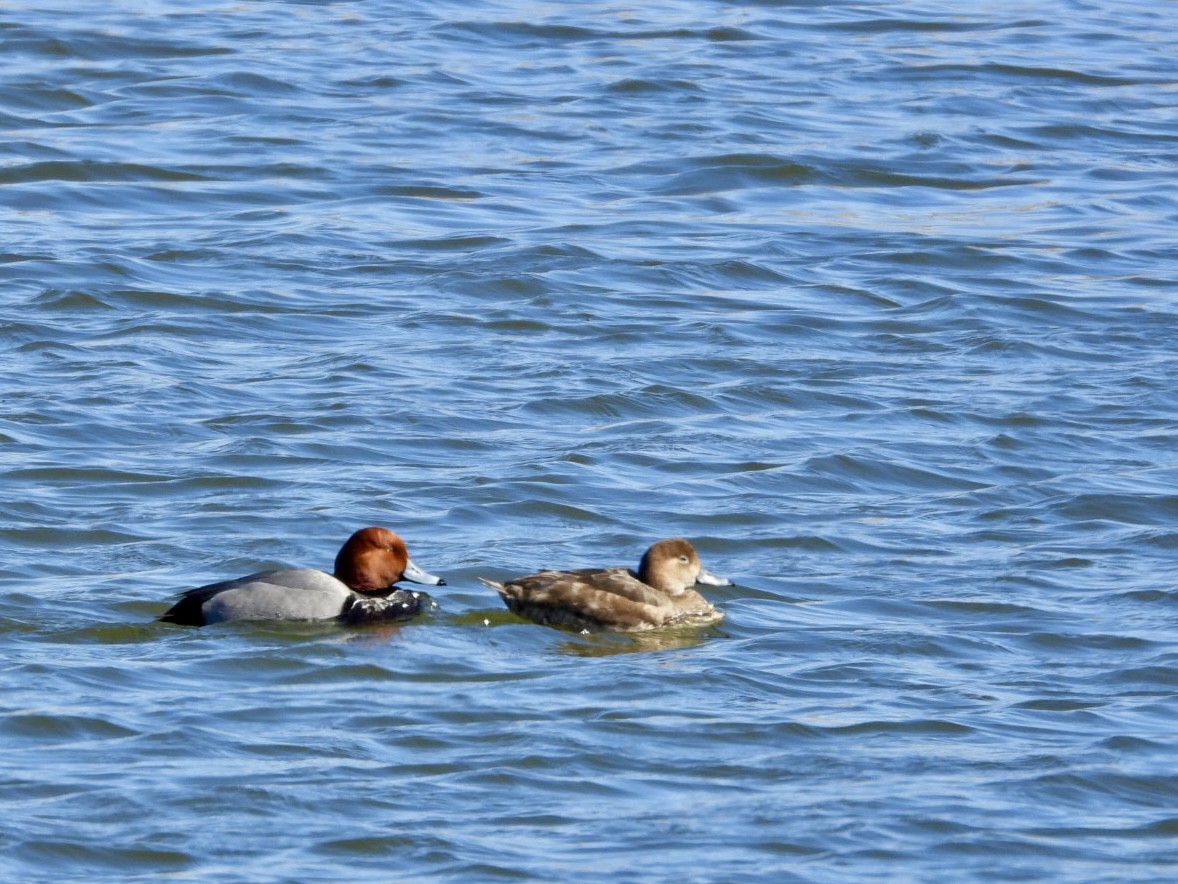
x=683 y=559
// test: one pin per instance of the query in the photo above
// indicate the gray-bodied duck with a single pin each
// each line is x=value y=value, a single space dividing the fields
x=361 y=590
x=661 y=593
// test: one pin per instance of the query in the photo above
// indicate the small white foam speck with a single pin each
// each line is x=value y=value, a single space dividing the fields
x=486 y=622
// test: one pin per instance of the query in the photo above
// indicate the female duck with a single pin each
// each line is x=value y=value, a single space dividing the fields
x=367 y=566
x=661 y=593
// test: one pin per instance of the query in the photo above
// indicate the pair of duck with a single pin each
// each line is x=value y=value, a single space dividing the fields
x=373 y=560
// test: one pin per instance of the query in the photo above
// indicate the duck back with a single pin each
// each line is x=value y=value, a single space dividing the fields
x=607 y=598
x=286 y=594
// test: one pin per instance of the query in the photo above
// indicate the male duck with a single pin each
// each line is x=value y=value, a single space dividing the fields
x=661 y=593
x=367 y=566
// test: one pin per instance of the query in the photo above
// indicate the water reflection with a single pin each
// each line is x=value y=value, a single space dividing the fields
x=606 y=644
x=596 y=644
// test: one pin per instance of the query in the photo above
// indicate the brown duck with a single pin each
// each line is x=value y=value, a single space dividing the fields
x=660 y=593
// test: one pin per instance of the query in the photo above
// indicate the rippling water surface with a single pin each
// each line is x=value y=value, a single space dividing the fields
x=875 y=302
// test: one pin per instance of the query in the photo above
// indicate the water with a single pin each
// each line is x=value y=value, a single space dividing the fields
x=874 y=302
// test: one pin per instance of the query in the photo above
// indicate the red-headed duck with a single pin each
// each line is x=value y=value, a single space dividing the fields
x=660 y=593
x=367 y=566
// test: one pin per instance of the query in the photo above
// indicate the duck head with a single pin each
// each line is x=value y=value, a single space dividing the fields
x=673 y=566
x=373 y=559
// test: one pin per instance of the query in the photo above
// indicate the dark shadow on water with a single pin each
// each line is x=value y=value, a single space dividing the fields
x=607 y=644
x=596 y=644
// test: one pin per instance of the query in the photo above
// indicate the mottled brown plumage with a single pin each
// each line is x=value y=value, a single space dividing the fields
x=660 y=593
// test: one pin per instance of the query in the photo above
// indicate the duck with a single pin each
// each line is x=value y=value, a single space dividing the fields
x=660 y=593
x=361 y=589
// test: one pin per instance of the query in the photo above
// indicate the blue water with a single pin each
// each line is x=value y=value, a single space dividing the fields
x=876 y=303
